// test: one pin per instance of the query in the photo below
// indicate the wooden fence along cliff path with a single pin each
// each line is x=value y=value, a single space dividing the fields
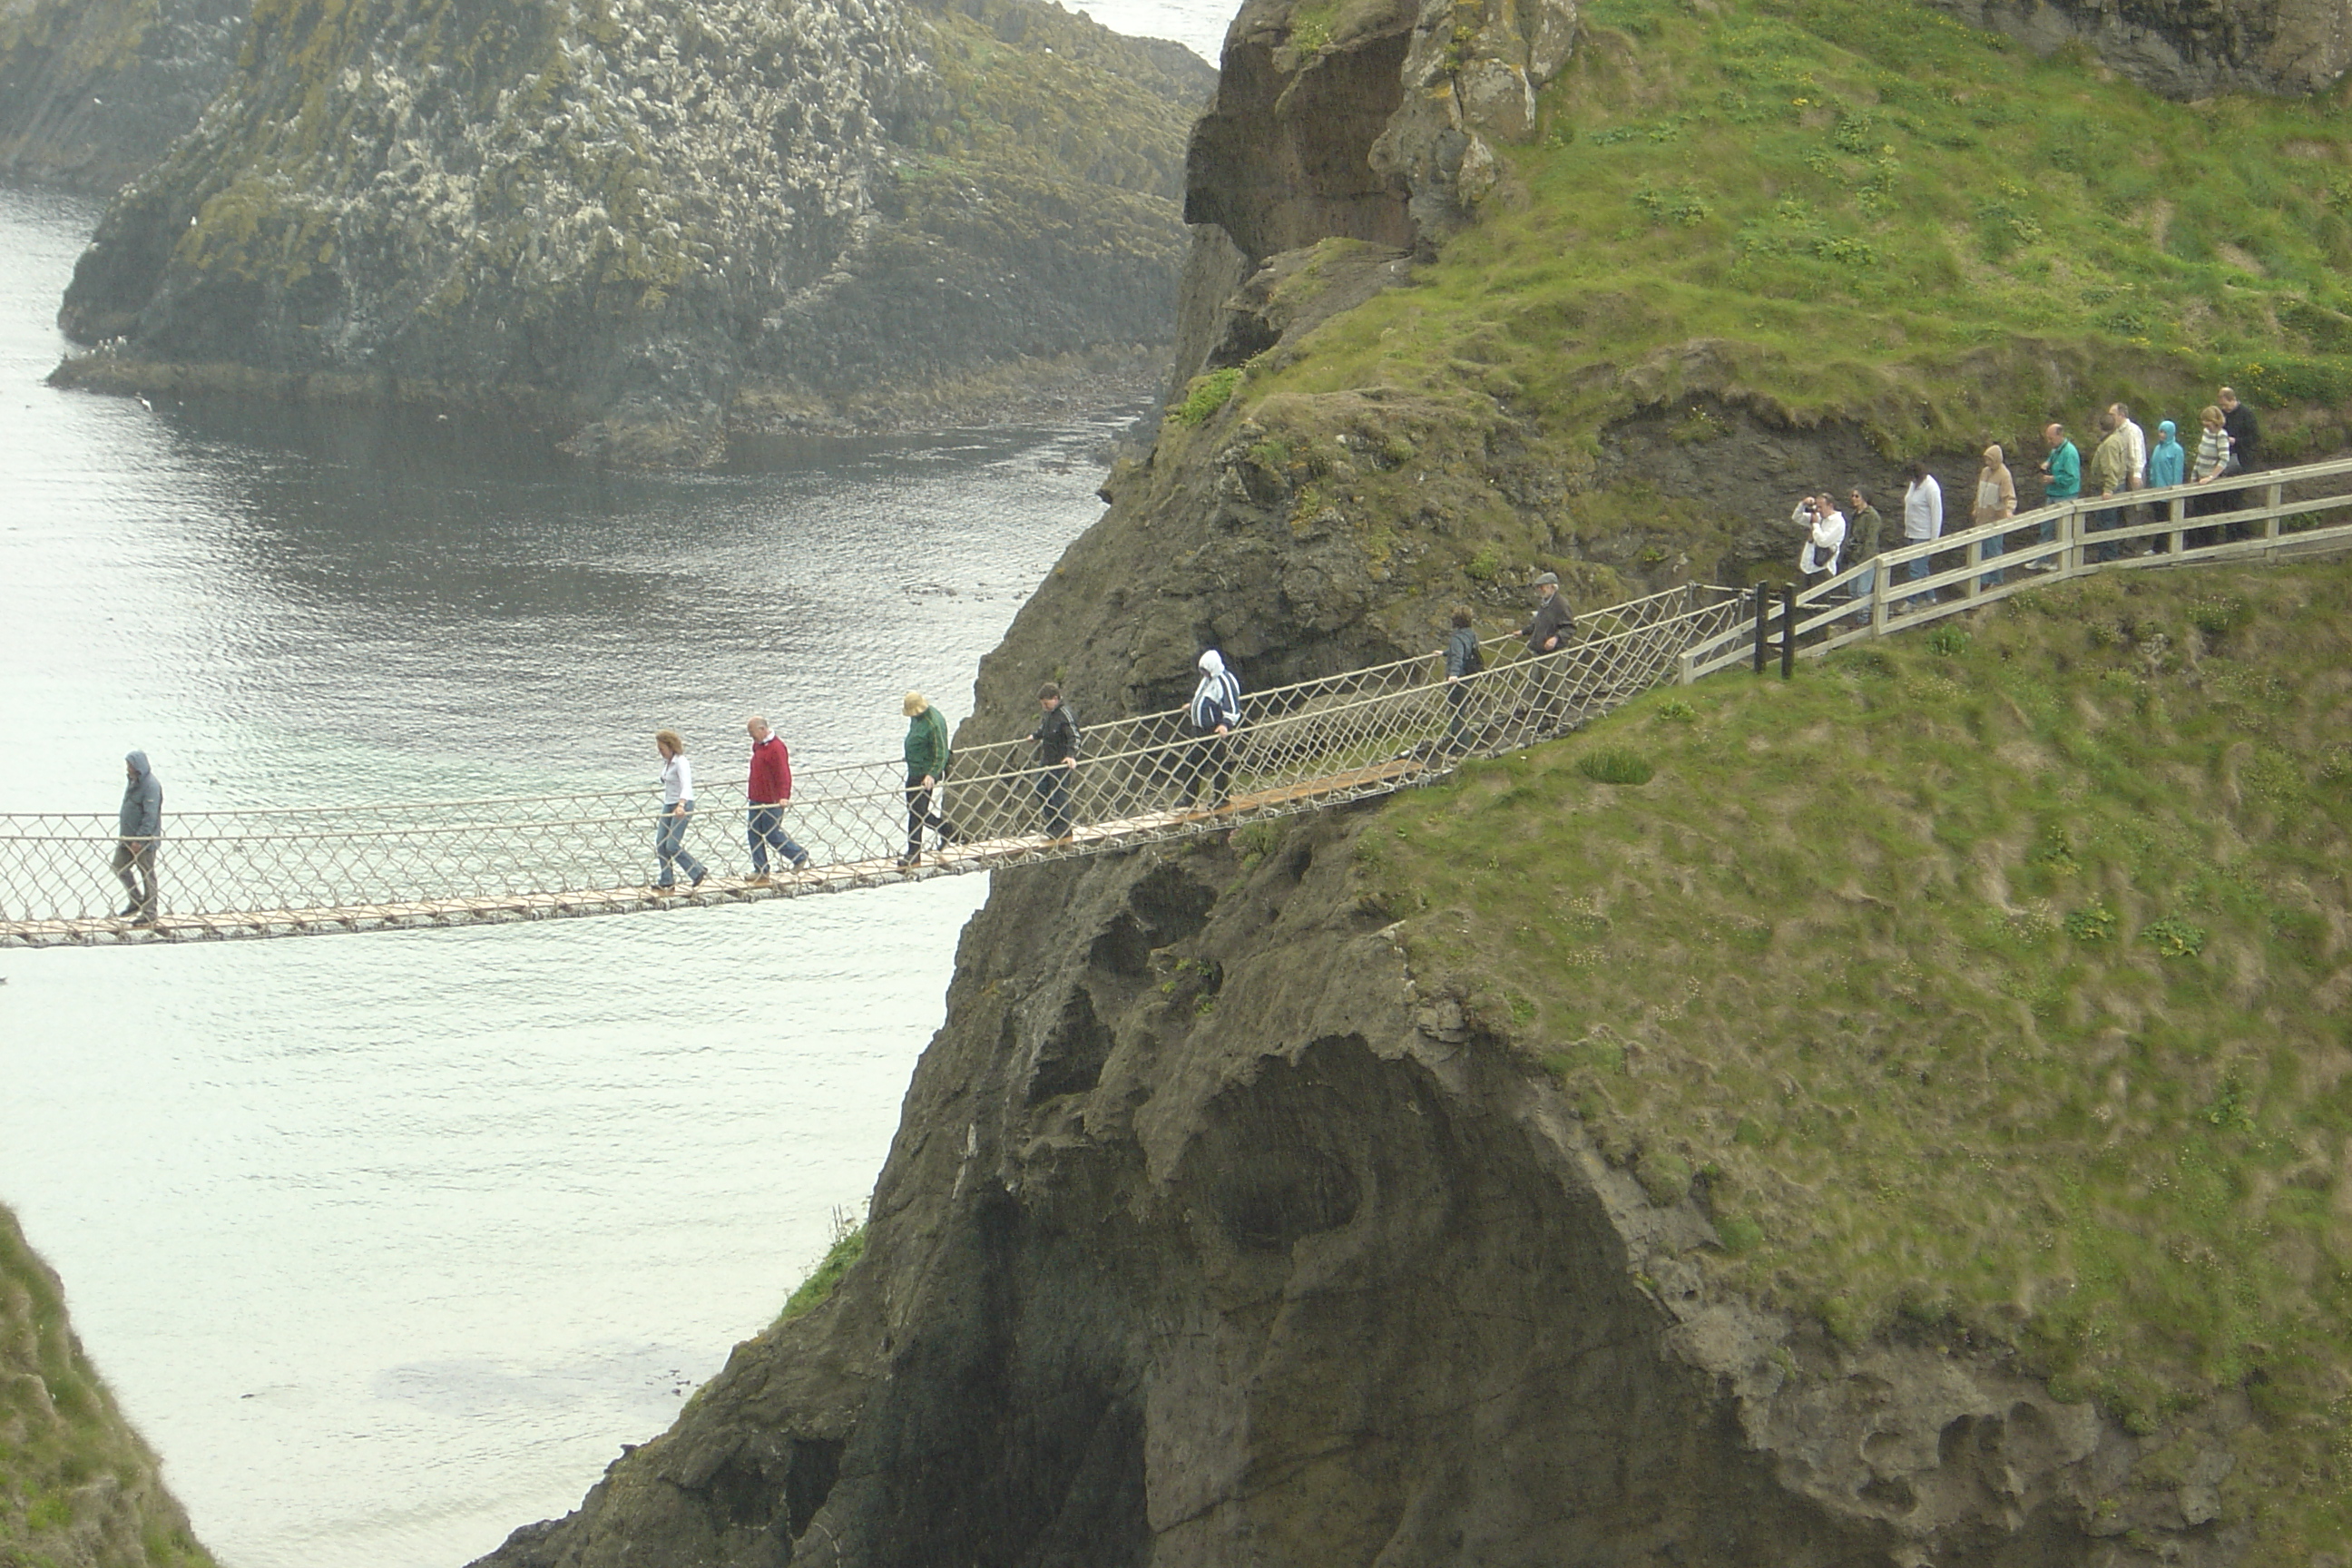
x=307 y=870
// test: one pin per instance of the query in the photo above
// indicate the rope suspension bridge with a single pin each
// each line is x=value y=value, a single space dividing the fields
x=1317 y=743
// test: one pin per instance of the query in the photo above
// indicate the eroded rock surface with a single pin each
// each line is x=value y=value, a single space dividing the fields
x=2187 y=49
x=92 y=91
x=1208 y=1238
x=645 y=220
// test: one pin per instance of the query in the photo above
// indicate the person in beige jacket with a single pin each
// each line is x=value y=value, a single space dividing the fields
x=1996 y=498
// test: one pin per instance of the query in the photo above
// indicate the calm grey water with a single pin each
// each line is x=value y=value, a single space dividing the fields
x=388 y=1243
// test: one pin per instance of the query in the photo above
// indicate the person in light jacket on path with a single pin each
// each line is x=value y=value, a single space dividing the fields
x=1215 y=713
x=1923 y=519
x=770 y=791
x=927 y=764
x=1824 y=528
x=678 y=810
x=2112 y=473
x=140 y=824
x=1996 y=499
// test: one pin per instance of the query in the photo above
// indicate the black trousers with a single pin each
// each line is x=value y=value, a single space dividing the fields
x=1210 y=760
x=1053 y=787
x=921 y=815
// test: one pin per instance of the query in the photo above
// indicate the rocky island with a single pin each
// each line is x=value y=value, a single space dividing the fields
x=1905 y=1126
x=647 y=225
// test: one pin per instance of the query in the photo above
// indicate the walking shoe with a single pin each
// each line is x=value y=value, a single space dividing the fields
x=145 y=918
x=800 y=861
x=908 y=862
x=128 y=910
x=698 y=875
x=758 y=880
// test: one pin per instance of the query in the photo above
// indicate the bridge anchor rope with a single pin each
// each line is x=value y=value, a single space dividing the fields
x=1363 y=733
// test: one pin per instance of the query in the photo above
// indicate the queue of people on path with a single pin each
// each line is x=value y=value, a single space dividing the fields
x=2123 y=460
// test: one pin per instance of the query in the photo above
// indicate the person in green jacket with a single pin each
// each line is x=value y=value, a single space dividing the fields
x=927 y=764
x=2061 y=479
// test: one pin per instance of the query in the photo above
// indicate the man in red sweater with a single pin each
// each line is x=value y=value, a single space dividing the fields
x=770 y=789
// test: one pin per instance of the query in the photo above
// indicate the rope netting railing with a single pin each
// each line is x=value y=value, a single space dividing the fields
x=294 y=871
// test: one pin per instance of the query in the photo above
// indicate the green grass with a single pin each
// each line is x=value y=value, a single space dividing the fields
x=848 y=1246
x=61 y=1431
x=1832 y=210
x=1997 y=987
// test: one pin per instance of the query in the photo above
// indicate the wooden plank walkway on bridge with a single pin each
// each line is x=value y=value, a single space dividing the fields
x=310 y=870
x=427 y=914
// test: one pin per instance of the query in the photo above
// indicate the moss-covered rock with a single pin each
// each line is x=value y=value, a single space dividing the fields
x=626 y=215
x=78 y=1488
x=92 y=91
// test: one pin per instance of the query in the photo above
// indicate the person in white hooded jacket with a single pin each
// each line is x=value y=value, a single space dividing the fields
x=1215 y=715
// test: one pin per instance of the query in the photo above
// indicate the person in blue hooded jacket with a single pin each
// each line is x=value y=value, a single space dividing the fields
x=142 y=823
x=2168 y=464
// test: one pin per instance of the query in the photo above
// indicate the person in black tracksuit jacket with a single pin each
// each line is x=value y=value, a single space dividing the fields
x=1057 y=735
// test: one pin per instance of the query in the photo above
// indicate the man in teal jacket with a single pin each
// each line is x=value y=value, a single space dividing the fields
x=927 y=764
x=2061 y=477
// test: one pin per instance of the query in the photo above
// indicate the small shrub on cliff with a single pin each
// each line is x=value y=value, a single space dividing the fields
x=1206 y=394
x=848 y=1246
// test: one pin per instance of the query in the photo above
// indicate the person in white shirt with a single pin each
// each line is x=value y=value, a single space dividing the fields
x=1824 y=528
x=1923 y=519
x=677 y=808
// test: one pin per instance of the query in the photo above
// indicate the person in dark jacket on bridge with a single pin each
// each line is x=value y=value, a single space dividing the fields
x=927 y=765
x=1057 y=735
x=1463 y=660
x=141 y=824
x=1551 y=628
x=1215 y=715
x=769 y=792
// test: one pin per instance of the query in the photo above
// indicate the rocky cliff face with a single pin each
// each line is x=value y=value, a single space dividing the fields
x=1213 y=1232
x=2187 y=49
x=646 y=221
x=1208 y=1238
x=77 y=1489
x=91 y=91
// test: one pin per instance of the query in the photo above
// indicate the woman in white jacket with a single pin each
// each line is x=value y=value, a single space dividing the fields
x=1824 y=528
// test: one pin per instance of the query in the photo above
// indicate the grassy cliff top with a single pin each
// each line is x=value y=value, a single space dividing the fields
x=1991 y=983
x=1848 y=213
x=76 y=1486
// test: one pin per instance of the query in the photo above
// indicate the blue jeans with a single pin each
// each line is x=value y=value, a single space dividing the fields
x=2100 y=522
x=1988 y=551
x=1915 y=568
x=669 y=847
x=767 y=828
